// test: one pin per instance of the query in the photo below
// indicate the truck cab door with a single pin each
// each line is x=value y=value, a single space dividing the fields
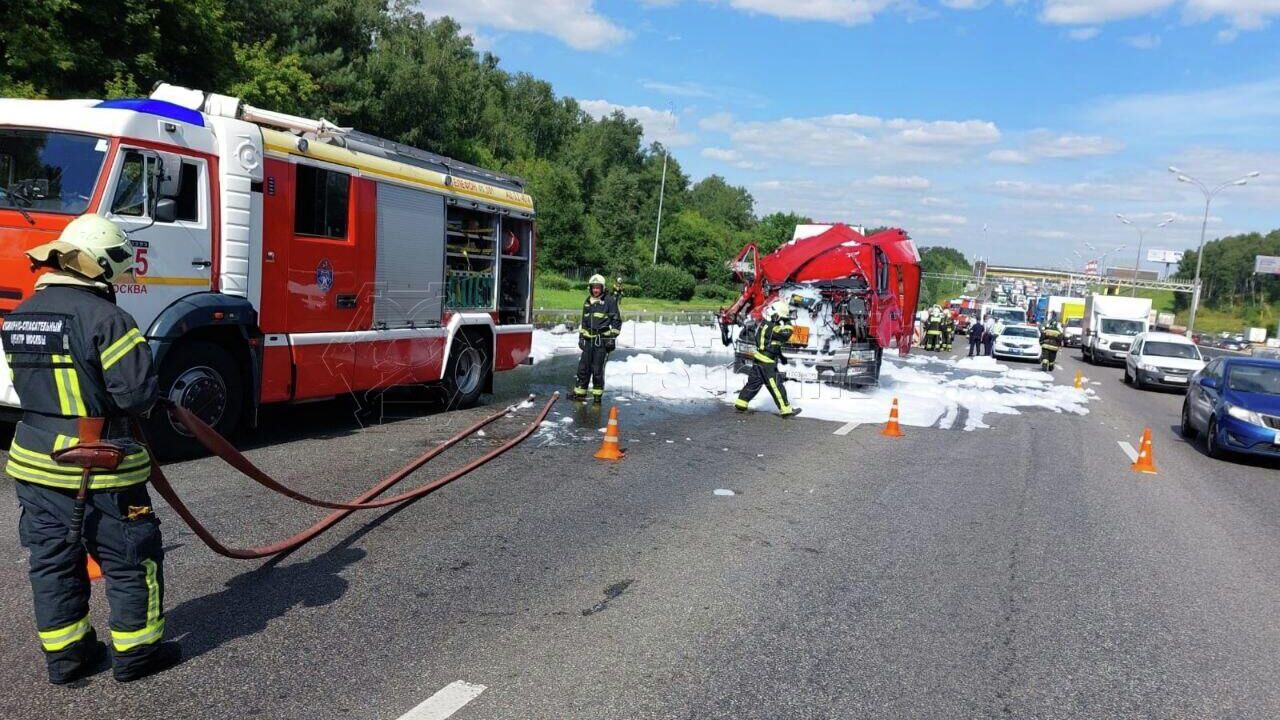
x=162 y=201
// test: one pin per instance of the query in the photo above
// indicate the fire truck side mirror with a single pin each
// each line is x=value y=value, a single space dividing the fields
x=170 y=172
x=166 y=210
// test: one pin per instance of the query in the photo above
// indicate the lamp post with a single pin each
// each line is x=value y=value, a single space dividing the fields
x=662 y=192
x=1204 y=226
x=1138 y=260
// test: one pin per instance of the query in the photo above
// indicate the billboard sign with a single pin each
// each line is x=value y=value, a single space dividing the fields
x=1266 y=265
x=1164 y=256
x=1091 y=267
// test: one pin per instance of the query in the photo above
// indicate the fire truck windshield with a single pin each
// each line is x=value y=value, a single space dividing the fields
x=44 y=171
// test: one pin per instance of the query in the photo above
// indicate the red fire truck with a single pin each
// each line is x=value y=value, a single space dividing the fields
x=278 y=259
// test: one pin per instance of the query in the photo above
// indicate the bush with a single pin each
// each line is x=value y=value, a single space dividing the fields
x=714 y=291
x=552 y=281
x=665 y=282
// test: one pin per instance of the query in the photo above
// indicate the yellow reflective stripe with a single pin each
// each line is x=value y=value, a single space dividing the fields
x=64 y=396
x=131 y=462
x=118 y=349
x=70 y=402
x=125 y=640
x=62 y=442
x=59 y=638
x=761 y=357
x=19 y=469
x=777 y=396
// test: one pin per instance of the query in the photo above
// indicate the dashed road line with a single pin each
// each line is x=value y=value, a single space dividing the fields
x=449 y=700
x=846 y=428
x=1128 y=450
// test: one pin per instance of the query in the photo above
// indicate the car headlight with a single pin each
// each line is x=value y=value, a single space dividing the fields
x=1148 y=367
x=1245 y=414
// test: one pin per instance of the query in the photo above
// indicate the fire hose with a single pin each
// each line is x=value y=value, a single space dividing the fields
x=218 y=445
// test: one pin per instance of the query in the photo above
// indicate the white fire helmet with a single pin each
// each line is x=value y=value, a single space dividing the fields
x=90 y=246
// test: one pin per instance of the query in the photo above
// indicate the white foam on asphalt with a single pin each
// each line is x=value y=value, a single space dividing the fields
x=724 y=492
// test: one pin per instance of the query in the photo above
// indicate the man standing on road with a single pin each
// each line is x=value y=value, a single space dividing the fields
x=975 y=338
x=770 y=339
x=82 y=369
x=1050 y=342
x=948 y=329
x=597 y=337
x=933 y=329
x=993 y=328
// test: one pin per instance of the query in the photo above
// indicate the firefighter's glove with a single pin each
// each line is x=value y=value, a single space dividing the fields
x=582 y=343
x=610 y=345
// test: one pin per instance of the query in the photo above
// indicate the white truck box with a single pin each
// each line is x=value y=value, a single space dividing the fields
x=1110 y=324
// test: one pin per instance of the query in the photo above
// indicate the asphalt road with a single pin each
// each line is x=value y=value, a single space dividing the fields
x=1018 y=572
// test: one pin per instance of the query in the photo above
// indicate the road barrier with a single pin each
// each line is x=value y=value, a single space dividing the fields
x=891 y=428
x=1146 y=462
x=609 y=449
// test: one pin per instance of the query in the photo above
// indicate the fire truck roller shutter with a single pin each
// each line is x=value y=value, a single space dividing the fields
x=410 y=258
x=208 y=348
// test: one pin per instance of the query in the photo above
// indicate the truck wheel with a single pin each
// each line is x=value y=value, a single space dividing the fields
x=204 y=379
x=467 y=371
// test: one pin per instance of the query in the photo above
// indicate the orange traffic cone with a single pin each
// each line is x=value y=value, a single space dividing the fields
x=95 y=570
x=891 y=428
x=1079 y=379
x=1146 y=461
x=609 y=449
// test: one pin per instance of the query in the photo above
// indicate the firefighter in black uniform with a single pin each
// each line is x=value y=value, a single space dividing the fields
x=1050 y=342
x=948 y=329
x=597 y=337
x=772 y=336
x=82 y=368
x=933 y=329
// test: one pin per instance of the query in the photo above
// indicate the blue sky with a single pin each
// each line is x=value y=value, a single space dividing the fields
x=1038 y=119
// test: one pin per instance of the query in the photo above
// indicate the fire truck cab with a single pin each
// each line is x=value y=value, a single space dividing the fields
x=277 y=259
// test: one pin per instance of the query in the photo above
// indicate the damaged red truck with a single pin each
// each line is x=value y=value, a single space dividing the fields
x=852 y=296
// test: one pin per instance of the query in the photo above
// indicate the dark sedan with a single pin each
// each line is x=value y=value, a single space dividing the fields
x=1235 y=403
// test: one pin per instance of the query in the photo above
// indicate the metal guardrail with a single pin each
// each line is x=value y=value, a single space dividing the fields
x=1069 y=277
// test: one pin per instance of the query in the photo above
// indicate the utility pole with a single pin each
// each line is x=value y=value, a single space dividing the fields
x=662 y=191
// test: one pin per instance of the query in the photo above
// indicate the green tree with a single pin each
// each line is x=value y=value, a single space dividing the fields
x=722 y=203
x=777 y=228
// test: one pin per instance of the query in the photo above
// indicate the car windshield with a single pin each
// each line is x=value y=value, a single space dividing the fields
x=1171 y=350
x=1254 y=379
x=43 y=171
x=1021 y=332
x=1111 y=326
x=1075 y=322
x=1010 y=315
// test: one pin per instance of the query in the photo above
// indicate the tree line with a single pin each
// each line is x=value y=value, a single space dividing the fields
x=1227 y=279
x=384 y=68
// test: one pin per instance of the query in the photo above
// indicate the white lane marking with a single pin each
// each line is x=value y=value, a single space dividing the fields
x=1128 y=450
x=451 y=698
x=846 y=428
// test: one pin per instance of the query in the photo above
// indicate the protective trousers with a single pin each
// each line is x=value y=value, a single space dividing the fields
x=764 y=375
x=947 y=334
x=932 y=339
x=591 y=368
x=1048 y=356
x=122 y=532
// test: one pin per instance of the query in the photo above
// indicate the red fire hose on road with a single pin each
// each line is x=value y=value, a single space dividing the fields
x=219 y=446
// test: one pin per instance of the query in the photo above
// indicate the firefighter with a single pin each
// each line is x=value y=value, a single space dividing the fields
x=770 y=339
x=619 y=292
x=1050 y=342
x=933 y=329
x=597 y=337
x=948 y=329
x=82 y=369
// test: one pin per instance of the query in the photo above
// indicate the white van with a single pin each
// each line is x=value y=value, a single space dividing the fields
x=1162 y=359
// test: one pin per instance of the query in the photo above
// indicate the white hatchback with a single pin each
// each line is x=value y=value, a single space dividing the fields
x=1018 y=341
x=1162 y=359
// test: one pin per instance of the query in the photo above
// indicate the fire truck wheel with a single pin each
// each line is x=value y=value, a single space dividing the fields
x=467 y=372
x=203 y=378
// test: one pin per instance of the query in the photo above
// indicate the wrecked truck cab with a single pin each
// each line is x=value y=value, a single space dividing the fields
x=847 y=292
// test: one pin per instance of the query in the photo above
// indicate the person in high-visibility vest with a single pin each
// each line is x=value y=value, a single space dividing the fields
x=772 y=336
x=82 y=369
x=597 y=337
x=1050 y=342
x=933 y=329
x=948 y=329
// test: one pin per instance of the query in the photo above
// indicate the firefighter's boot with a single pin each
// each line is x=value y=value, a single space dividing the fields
x=597 y=395
x=580 y=394
x=165 y=656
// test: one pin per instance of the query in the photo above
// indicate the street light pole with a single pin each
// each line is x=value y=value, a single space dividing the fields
x=662 y=191
x=1204 y=227
x=1138 y=260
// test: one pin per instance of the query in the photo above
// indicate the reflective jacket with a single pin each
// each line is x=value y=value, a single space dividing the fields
x=81 y=367
x=1051 y=337
x=772 y=337
x=600 y=317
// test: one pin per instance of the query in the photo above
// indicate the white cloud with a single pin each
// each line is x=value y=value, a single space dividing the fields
x=965 y=4
x=659 y=125
x=1009 y=157
x=932 y=201
x=1079 y=191
x=733 y=157
x=575 y=22
x=680 y=89
x=1145 y=41
x=1084 y=33
x=945 y=219
x=1240 y=14
x=1231 y=112
x=1042 y=144
x=719 y=122
x=895 y=182
x=845 y=12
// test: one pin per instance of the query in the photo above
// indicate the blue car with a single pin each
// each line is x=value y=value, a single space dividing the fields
x=1235 y=402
